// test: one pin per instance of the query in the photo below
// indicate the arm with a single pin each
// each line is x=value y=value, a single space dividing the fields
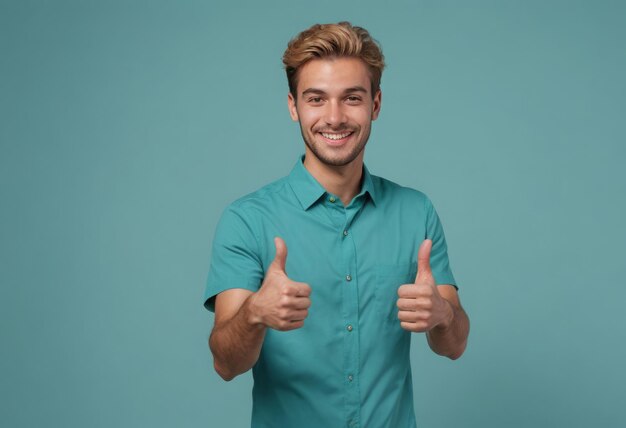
x=450 y=337
x=242 y=317
x=235 y=341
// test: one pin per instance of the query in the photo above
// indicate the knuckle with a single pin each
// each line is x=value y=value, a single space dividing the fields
x=406 y=304
x=408 y=326
x=404 y=291
x=406 y=316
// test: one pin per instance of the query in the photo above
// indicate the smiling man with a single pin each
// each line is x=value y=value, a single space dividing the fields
x=327 y=328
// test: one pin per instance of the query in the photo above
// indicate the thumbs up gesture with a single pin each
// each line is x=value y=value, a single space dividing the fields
x=280 y=303
x=421 y=307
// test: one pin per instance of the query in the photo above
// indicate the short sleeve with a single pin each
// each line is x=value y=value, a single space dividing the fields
x=439 y=262
x=235 y=259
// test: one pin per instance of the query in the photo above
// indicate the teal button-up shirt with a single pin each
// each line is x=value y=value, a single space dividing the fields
x=348 y=366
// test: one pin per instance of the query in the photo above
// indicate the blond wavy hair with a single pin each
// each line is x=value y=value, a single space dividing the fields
x=333 y=41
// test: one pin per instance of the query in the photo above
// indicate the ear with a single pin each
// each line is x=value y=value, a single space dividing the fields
x=293 y=111
x=377 y=102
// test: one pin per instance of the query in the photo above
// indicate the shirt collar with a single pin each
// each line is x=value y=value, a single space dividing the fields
x=308 y=190
x=368 y=185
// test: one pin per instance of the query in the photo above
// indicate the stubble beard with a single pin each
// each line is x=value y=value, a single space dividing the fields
x=331 y=161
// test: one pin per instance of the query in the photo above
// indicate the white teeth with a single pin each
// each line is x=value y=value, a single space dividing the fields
x=335 y=136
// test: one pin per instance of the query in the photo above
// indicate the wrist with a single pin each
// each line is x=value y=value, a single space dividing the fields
x=253 y=317
x=448 y=318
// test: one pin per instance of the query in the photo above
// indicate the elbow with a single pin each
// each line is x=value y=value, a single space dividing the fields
x=455 y=356
x=225 y=374
x=457 y=353
x=223 y=371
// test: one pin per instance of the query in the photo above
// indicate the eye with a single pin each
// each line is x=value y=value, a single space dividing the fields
x=353 y=99
x=315 y=100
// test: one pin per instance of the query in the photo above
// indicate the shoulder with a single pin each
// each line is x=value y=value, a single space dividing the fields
x=242 y=220
x=261 y=199
x=392 y=192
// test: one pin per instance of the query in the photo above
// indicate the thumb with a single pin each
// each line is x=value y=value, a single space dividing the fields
x=423 y=258
x=280 y=259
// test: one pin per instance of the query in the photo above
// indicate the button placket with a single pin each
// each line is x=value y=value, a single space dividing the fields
x=351 y=314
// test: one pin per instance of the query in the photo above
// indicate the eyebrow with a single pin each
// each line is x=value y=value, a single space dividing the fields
x=346 y=91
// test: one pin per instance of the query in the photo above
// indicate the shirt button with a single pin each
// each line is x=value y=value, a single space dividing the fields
x=345 y=233
x=349 y=328
x=350 y=378
x=332 y=199
x=348 y=278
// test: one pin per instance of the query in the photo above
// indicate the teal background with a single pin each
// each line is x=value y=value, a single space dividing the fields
x=127 y=127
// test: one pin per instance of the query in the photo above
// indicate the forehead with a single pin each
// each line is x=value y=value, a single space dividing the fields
x=333 y=74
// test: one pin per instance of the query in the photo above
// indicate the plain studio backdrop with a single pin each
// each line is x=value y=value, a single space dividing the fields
x=127 y=127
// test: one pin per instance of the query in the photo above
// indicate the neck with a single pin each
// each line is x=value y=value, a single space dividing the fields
x=343 y=181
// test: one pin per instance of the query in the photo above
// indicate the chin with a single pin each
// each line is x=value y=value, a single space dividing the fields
x=329 y=159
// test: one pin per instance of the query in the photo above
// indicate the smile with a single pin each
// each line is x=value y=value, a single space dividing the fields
x=336 y=137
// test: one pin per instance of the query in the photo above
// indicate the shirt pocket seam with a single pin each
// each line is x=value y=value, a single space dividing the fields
x=389 y=277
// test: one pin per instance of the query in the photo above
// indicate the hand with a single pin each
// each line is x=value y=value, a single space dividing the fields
x=280 y=303
x=421 y=307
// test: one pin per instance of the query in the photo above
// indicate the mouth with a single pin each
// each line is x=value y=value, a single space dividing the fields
x=336 y=138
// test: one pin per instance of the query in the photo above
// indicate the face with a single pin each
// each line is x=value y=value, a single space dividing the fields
x=335 y=109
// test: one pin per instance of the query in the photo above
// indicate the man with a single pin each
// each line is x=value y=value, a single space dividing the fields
x=319 y=279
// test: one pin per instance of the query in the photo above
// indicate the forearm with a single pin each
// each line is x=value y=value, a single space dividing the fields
x=236 y=343
x=450 y=340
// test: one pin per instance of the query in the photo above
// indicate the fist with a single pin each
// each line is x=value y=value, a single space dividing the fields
x=280 y=303
x=420 y=306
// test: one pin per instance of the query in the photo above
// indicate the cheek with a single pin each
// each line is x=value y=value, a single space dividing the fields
x=365 y=123
x=363 y=118
x=307 y=119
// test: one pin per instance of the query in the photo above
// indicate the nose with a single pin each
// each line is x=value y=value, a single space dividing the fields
x=335 y=114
